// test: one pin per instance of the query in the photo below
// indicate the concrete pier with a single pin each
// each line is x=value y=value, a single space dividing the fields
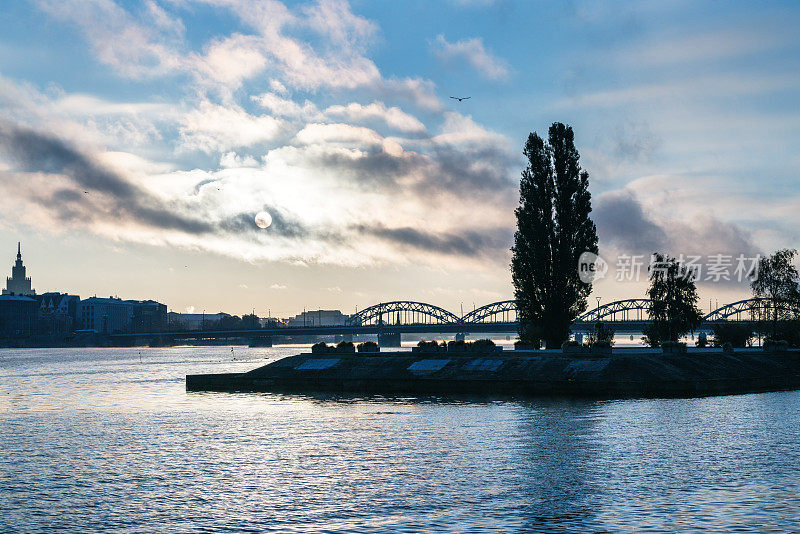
x=623 y=374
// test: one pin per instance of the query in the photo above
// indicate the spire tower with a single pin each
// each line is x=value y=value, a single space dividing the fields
x=18 y=284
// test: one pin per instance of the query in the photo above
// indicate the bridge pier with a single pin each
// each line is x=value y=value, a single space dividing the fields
x=389 y=339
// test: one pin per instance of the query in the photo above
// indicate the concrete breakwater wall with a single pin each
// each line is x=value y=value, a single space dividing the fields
x=530 y=373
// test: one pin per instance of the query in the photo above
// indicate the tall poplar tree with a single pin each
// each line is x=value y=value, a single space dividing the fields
x=553 y=230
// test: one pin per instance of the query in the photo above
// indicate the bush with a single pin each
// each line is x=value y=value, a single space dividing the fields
x=569 y=343
x=368 y=346
x=702 y=340
x=603 y=343
x=456 y=346
x=319 y=348
x=430 y=346
x=735 y=334
x=727 y=347
x=483 y=345
x=345 y=347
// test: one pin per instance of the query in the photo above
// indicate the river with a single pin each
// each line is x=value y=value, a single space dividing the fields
x=108 y=440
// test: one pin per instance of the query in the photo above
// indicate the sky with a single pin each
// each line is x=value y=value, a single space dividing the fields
x=138 y=140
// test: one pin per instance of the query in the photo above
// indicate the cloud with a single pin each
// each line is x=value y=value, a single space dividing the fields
x=465 y=243
x=393 y=117
x=232 y=60
x=326 y=134
x=710 y=87
x=152 y=44
x=361 y=180
x=137 y=49
x=473 y=53
x=710 y=44
x=34 y=152
x=334 y=19
x=283 y=107
x=214 y=128
x=277 y=286
x=623 y=224
x=626 y=226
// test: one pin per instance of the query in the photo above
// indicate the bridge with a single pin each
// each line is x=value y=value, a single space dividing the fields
x=389 y=320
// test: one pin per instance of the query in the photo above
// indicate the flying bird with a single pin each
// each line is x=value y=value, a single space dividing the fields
x=460 y=99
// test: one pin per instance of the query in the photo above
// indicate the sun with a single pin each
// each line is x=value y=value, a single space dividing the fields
x=263 y=219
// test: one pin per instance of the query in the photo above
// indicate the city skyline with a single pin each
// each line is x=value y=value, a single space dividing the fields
x=134 y=166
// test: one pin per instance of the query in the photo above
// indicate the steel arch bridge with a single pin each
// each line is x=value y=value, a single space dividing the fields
x=404 y=312
x=505 y=310
x=751 y=309
x=619 y=310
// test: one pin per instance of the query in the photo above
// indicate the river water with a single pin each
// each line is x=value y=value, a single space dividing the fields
x=108 y=440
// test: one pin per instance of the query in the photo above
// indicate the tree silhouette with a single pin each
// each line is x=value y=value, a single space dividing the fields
x=250 y=322
x=553 y=230
x=673 y=301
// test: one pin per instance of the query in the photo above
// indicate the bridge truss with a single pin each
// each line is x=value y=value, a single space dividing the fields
x=754 y=309
x=404 y=312
x=504 y=311
x=619 y=310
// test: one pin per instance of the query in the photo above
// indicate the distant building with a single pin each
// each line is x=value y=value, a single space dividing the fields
x=148 y=316
x=105 y=316
x=18 y=284
x=194 y=321
x=58 y=313
x=18 y=315
x=319 y=318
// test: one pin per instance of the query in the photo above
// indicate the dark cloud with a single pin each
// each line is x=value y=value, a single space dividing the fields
x=625 y=228
x=622 y=223
x=468 y=243
x=283 y=225
x=448 y=170
x=33 y=151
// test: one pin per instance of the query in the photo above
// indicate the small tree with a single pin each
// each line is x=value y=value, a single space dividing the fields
x=738 y=335
x=673 y=301
x=250 y=322
x=777 y=279
x=553 y=230
x=229 y=322
x=702 y=340
x=601 y=334
x=789 y=331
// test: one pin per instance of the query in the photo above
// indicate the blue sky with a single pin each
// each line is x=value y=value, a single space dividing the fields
x=138 y=139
